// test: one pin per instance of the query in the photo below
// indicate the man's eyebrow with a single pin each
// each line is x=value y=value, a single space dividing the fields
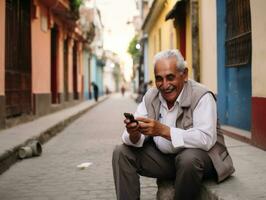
x=170 y=74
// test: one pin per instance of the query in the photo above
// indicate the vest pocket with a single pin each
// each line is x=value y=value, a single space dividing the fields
x=187 y=121
x=223 y=155
x=187 y=124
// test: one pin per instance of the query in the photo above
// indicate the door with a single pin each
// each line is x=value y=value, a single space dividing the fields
x=75 y=71
x=18 y=58
x=238 y=63
x=66 y=96
x=234 y=63
x=54 y=68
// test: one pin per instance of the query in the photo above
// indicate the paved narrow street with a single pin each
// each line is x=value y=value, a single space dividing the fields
x=54 y=175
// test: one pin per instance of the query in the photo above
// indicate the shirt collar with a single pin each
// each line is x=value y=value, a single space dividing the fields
x=177 y=101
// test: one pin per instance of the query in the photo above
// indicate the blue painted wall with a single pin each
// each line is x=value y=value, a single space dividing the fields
x=99 y=77
x=93 y=70
x=234 y=84
x=222 y=76
x=97 y=74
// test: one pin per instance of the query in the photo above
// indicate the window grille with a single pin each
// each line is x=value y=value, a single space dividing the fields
x=238 y=33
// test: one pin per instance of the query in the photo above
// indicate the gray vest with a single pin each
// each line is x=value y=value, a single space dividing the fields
x=192 y=93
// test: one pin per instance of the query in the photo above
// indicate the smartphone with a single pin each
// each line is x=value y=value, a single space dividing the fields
x=130 y=117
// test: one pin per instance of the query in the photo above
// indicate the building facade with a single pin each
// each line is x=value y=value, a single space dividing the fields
x=41 y=59
x=229 y=35
x=157 y=34
x=222 y=42
x=92 y=28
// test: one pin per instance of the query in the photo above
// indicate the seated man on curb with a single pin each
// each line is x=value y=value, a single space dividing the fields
x=177 y=135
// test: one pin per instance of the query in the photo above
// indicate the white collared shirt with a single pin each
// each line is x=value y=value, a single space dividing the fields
x=202 y=135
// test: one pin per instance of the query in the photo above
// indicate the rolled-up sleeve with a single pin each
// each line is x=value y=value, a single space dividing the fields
x=126 y=140
x=140 y=112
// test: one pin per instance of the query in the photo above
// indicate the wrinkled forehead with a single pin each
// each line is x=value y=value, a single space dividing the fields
x=164 y=67
x=166 y=64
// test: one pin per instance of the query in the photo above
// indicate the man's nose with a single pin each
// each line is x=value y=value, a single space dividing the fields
x=165 y=84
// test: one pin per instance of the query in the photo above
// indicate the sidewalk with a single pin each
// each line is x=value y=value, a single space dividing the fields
x=249 y=180
x=42 y=129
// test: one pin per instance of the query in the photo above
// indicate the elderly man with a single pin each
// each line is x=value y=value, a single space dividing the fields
x=176 y=137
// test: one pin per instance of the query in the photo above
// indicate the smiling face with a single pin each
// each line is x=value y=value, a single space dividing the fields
x=169 y=80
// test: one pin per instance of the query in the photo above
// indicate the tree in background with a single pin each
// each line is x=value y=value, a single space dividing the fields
x=74 y=5
x=133 y=49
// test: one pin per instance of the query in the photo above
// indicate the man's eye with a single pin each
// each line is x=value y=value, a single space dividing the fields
x=170 y=78
x=158 y=79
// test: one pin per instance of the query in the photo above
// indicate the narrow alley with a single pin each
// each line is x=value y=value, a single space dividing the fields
x=54 y=175
x=70 y=69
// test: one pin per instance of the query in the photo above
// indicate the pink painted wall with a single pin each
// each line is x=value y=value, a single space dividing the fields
x=40 y=56
x=60 y=60
x=80 y=69
x=70 y=65
x=2 y=46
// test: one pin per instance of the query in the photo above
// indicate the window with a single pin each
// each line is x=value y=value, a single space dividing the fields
x=238 y=33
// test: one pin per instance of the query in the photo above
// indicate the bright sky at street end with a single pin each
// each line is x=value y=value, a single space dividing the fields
x=117 y=31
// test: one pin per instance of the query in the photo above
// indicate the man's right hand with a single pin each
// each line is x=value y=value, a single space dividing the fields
x=133 y=130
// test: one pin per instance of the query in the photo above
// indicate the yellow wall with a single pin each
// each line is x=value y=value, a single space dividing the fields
x=167 y=30
x=188 y=42
x=2 y=47
x=208 y=43
x=258 y=22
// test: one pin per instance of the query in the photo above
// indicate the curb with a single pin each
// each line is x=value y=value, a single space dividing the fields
x=166 y=190
x=9 y=157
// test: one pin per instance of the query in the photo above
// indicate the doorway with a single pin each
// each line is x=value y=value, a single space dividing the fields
x=18 y=58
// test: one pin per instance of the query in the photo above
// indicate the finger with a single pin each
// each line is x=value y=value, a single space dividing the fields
x=143 y=119
x=132 y=125
x=126 y=121
x=144 y=125
x=146 y=132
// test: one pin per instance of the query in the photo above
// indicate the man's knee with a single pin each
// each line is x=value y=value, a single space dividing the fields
x=188 y=160
x=124 y=158
x=118 y=150
x=122 y=151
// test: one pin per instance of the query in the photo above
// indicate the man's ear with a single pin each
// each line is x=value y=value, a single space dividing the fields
x=185 y=74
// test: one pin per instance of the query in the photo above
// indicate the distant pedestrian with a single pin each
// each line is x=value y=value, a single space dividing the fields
x=95 y=90
x=123 y=89
x=107 y=91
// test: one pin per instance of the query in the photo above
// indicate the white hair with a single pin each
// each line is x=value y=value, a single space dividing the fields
x=181 y=63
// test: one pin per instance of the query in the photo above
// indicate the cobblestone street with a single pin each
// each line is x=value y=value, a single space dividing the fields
x=54 y=175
